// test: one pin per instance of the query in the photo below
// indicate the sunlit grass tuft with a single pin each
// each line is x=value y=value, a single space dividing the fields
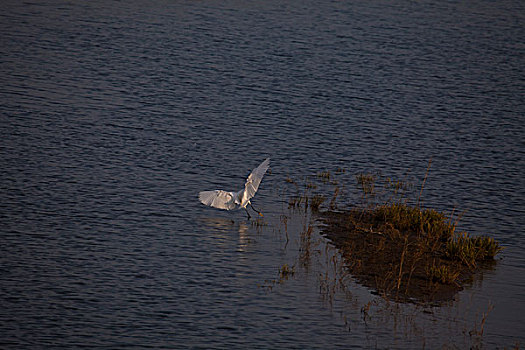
x=470 y=250
x=403 y=217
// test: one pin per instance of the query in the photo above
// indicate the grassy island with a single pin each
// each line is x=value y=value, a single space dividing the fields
x=401 y=251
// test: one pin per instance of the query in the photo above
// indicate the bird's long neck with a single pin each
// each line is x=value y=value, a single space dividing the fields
x=238 y=197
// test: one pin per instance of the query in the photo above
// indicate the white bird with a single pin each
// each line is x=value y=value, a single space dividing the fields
x=236 y=200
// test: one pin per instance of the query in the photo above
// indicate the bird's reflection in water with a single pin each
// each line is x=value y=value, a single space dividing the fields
x=244 y=238
x=223 y=228
x=219 y=224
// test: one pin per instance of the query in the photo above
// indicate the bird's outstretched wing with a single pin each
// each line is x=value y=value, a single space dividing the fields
x=217 y=199
x=253 y=181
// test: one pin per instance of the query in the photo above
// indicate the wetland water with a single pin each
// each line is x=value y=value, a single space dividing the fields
x=114 y=115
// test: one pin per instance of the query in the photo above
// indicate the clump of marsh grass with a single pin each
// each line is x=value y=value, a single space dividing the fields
x=443 y=274
x=295 y=201
x=286 y=272
x=405 y=218
x=470 y=250
x=366 y=182
x=316 y=202
x=406 y=252
x=403 y=251
x=324 y=176
x=307 y=197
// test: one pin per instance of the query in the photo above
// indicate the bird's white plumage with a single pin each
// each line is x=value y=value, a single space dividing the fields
x=234 y=200
x=217 y=199
x=253 y=181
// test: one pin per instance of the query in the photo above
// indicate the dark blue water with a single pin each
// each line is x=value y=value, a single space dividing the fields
x=114 y=115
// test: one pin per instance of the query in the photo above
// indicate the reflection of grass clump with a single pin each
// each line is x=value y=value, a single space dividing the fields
x=285 y=272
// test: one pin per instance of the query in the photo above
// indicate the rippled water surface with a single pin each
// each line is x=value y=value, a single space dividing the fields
x=114 y=115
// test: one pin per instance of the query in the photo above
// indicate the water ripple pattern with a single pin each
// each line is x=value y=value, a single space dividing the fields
x=114 y=115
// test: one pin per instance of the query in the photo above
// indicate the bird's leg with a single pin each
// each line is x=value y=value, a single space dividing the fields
x=256 y=210
x=249 y=216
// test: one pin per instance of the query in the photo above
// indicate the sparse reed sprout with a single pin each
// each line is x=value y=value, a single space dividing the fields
x=316 y=201
x=470 y=250
x=366 y=182
x=286 y=271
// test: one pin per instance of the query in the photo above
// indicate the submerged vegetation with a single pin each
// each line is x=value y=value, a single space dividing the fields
x=402 y=251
